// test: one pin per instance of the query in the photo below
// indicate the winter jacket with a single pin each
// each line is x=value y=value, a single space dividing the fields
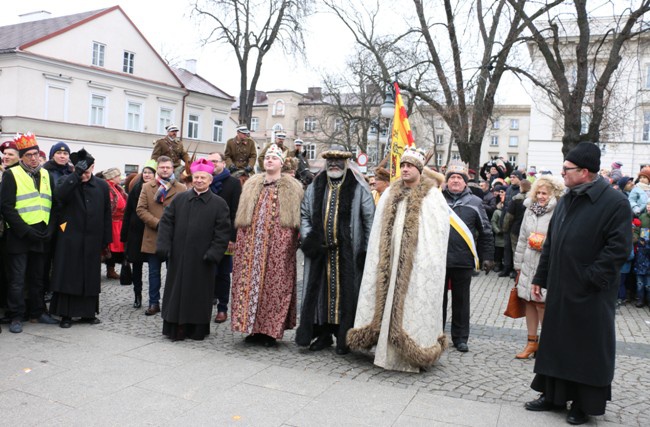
x=638 y=199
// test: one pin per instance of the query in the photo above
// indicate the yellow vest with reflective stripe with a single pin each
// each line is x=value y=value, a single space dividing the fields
x=32 y=206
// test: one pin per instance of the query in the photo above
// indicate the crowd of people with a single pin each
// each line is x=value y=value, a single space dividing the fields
x=381 y=259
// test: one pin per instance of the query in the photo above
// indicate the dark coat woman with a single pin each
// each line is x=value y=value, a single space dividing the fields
x=588 y=240
x=193 y=234
x=83 y=228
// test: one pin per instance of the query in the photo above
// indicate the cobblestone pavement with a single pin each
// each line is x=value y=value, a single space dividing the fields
x=487 y=373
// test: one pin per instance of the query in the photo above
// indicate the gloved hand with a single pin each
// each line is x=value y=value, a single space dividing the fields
x=232 y=168
x=208 y=258
x=81 y=167
x=248 y=169
x=488 y=266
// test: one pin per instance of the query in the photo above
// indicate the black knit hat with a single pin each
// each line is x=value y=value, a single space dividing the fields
x=585 y=155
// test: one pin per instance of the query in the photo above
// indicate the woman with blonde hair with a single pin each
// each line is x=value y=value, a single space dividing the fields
x=541 y=202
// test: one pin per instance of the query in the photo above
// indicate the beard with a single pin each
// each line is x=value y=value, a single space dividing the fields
x=335 y=173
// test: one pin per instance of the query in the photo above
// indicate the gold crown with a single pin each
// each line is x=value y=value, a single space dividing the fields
x=25 y=141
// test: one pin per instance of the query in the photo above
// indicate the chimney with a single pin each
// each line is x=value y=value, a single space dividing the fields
x=190 y=65
x=34 y=16
x=315 y=93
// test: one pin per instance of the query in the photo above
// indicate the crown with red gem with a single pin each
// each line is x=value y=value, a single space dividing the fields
x=25 y=141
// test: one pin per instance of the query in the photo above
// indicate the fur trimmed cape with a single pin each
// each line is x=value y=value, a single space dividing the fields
x=290 y=194
x=400 y=301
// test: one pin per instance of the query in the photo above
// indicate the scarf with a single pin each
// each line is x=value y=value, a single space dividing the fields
x=163 y=187
x=538 y=209
x=34 y=173
x=217 y=181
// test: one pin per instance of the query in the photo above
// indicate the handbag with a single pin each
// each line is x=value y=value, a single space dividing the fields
x=126 y=275
x=516 y=307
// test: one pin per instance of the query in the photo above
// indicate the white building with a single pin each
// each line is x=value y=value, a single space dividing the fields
x=92 y=80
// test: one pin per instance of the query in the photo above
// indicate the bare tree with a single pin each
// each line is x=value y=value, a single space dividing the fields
x=434 y=62
x=582 y=55
x=252 y=28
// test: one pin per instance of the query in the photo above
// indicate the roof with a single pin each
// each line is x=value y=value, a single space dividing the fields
x=195 y=83
x=17 y=36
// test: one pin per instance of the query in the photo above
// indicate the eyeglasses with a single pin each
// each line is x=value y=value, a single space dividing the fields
x=31 y=155
x=566 y=169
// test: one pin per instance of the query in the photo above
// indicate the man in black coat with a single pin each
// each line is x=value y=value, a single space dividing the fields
x=84 y=228
x=588 y=240
x=508 y=250
x=193 y=234
x=461 y=262
x=229 y=189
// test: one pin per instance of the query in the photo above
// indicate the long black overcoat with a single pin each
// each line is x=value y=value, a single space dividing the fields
x=589 y=238
x=83 y=228
x=133 y=226
x=194 y=230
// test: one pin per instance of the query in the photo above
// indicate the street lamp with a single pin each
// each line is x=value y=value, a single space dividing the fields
x=387 y=111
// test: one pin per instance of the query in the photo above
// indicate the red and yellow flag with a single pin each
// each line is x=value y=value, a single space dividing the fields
x=401 y=136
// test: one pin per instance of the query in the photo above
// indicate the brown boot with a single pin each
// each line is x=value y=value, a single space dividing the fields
x=111 y=273
x=530 y=349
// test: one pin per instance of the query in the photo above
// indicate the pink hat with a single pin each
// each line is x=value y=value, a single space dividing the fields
x=202 y=165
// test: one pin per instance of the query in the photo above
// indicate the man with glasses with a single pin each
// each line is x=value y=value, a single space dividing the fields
x=171 y=147
x=26 y=205
x=588 y=240
x=229 y=189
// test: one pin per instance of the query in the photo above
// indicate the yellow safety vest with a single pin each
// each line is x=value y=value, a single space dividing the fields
x=32 y=206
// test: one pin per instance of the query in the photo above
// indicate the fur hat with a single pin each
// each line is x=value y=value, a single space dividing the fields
x=26 y=142
x=8 y=145
x=645 y=171
x=111 y=173
x=59 y=146
x=457 y=168
x=80 y=155
x=382 y=174
x=290 y=164
x=585 y=155
x=274 y=150
x=414 y=157
x=202 y=165
x=336 y=152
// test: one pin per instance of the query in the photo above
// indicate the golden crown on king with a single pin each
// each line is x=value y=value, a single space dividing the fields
x=25 y=140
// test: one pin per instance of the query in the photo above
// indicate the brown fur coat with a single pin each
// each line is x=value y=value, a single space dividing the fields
x=290 y=194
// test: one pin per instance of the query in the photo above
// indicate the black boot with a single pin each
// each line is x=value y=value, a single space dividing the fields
x=137 y=303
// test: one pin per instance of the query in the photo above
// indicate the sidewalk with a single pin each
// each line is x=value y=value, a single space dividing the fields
x=124 y=372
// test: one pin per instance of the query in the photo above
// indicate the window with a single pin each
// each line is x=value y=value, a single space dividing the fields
x=338 y=125
x=647 y=77
x=217 y=131
x=97 y=110
x=455 y=155
x=514 y=124
x=165 y=119
x=310 y=151
x=278 y=108
x=134 y=116
x=494 y=141
x=514 y=141
x=512 y=158
x=495 y=124
x=129 y=169
x=127 y=65
x=438 y=159
x=438 y=139
x=98 y=54
x=193 y=126
x=310 y=124
x=255 y=124
x=646 y=126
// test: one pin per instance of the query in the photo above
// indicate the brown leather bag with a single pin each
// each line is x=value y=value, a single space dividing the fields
x=516 y=306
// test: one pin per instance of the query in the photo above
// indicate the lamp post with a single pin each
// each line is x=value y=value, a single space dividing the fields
x=387 y=111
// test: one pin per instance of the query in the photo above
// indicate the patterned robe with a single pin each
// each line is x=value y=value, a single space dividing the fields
x=264 y=274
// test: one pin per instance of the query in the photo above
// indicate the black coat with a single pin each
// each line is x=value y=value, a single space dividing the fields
x=230 y=191
x=588 y=240
x=84 y=228
x=194 y=232
x=57 y=171
x=132 y=226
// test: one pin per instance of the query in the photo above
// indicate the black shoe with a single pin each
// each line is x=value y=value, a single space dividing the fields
x=513 y=274
x=504 y=273
x=321 y=342
x=137 y=303
x=269 y=341
x=90 y=320
x=66 y=322
x=639 y=303
x=462 y=347
x=342 y=350
x=254 y=339
x=497 y=268
x=576 y=416
x=475 y=273
x=540 y=404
